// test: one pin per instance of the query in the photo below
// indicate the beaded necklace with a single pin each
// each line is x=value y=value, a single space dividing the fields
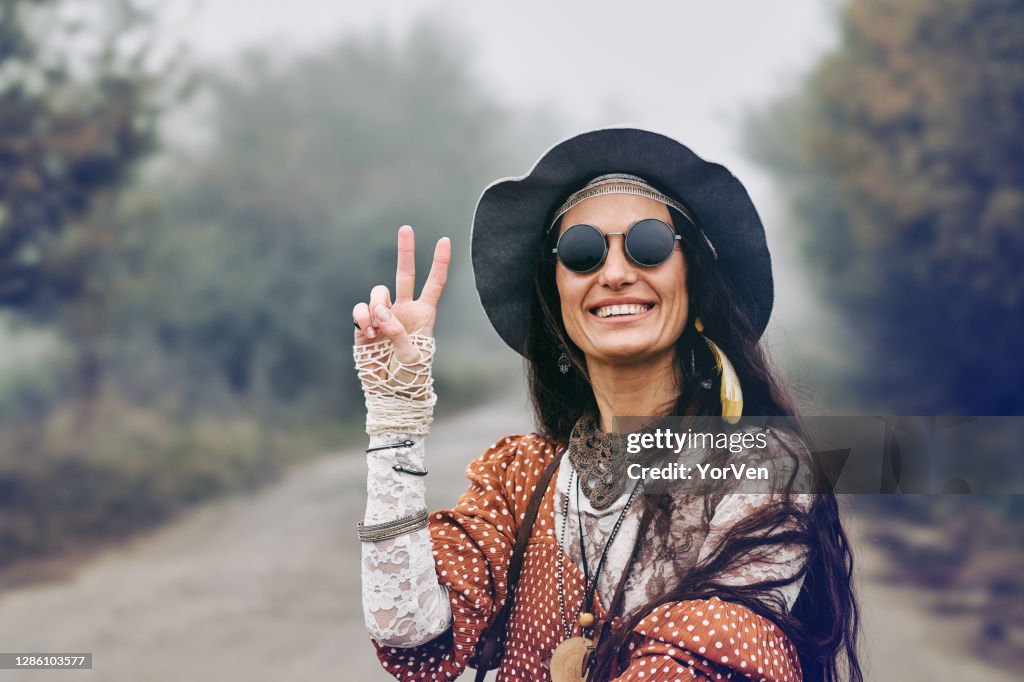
x=586 y=618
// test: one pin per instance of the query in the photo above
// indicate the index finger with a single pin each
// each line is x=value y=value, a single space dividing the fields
x=438 y=272
x=405 y=277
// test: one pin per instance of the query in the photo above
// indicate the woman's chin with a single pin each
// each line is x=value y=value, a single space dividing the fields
x=626 y=351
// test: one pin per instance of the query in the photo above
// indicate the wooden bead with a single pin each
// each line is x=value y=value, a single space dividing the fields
x=586 y=620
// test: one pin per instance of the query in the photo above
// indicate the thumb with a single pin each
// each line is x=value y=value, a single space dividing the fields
x=392 y=329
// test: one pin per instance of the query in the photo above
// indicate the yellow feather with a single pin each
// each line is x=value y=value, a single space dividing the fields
x=732 y=393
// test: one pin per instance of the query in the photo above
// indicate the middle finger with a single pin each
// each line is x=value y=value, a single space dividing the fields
x=405 y=277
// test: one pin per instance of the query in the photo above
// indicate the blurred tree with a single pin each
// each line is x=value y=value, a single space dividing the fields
x=76 y=116
x=289 y=214
x=904 y=160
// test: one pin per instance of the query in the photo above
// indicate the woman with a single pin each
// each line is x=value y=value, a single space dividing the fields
x=634 y=278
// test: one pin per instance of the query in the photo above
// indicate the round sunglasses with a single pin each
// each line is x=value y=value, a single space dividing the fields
x=648 y=242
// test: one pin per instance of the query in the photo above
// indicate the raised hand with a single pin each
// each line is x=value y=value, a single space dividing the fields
x=381 y=319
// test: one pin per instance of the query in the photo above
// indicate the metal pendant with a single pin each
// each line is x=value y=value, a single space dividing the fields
x=563 y=364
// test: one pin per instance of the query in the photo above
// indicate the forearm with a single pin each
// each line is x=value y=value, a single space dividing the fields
x=403 y=603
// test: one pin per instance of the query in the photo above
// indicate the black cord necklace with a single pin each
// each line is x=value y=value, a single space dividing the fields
x=583 y=546
x=586 y=618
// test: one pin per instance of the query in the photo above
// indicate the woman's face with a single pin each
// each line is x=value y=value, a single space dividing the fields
x=660 y=291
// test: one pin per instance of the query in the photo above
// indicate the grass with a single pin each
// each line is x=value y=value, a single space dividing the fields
x=64 y=482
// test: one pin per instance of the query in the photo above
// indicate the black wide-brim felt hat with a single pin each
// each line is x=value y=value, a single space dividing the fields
x=513 y=214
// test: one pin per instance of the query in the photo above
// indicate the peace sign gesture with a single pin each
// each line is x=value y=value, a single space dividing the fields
x=381 y=319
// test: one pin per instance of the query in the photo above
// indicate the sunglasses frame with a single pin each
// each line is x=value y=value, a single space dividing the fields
x=604 y=256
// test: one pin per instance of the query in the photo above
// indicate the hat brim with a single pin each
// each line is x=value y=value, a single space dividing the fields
x=509 y=222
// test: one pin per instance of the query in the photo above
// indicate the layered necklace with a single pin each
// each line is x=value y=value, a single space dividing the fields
x=599 y=462
x=572 y=659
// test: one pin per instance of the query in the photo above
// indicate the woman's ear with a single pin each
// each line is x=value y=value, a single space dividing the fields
x=692 y=314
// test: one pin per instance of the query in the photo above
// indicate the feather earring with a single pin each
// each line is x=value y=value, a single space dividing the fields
x=732 y=393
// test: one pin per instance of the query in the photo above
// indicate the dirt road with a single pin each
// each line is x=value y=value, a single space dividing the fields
x=266 y=587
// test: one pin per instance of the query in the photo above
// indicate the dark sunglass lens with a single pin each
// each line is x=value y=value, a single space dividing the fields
x=581 y=248
x=650 y=242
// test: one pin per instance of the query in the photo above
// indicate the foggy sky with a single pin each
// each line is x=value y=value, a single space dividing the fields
x=688 y=69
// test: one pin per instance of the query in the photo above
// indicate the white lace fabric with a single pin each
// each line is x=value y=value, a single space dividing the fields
x=774 y=562
x=779 y=563
x=403 y=603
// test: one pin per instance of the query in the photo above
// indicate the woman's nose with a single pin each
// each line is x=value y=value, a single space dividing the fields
x=618 y=270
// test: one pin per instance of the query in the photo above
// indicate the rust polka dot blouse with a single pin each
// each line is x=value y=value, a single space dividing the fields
x=472 y=544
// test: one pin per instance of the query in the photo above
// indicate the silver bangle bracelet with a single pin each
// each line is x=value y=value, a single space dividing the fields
x=392 y=529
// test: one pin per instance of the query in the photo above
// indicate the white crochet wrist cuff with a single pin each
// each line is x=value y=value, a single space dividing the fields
x=399 y=396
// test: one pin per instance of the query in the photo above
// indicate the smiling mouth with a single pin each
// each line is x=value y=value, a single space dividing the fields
x=624 y=310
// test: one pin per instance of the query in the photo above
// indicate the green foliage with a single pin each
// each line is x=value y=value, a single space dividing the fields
x=126 y=469
x=28 y=392
x=75 y=118
x=205 y=305
x=247 y=276
x=81 y=88
x=904 y=160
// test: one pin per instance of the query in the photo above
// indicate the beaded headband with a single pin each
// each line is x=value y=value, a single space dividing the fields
x=624 y=183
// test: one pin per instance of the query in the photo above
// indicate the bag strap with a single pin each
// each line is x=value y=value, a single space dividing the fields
x=490 y=647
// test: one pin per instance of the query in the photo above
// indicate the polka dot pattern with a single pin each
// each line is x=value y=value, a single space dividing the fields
x=709 y=639
x=472 y=547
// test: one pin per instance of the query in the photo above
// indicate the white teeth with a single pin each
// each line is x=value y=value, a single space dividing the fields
x=626 y=309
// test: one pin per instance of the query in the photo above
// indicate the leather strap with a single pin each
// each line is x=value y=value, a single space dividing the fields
x=491 y=645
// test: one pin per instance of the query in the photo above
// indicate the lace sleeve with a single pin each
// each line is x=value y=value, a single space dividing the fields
x=403 y=603
x=773 y=562
x=472 y=546
x=778 y=563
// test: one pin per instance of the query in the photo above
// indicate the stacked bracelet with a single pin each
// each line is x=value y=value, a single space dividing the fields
x=392 y=529
x=400 y=467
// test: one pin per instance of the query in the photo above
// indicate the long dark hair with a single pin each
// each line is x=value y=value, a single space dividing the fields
x=824 y=621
